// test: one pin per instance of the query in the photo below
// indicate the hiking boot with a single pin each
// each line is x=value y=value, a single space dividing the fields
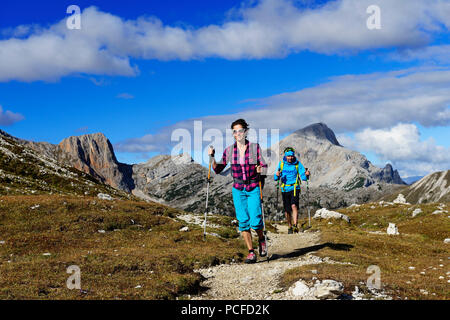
x=295 y=229
x=251 y=258
x=262 y=248
x=290 y=231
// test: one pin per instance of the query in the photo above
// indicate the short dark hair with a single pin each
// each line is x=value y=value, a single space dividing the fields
x=242 y=122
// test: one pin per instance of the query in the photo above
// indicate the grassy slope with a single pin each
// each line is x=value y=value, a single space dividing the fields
x=28 y=174
x=112 y=264
x=413 y=195
x=420 y=245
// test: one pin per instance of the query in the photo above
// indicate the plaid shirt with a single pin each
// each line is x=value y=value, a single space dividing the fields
x=252 y=158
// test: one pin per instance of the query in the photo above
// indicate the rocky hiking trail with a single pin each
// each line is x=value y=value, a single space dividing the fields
x=260 y=281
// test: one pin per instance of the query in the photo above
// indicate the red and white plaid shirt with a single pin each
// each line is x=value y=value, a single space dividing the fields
x=252 y=158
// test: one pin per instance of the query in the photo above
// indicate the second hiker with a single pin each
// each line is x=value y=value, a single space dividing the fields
x=289 y=172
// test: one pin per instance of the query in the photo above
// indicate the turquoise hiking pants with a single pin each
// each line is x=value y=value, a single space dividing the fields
x=248 y=209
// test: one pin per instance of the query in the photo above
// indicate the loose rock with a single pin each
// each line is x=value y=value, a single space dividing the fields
x=104 y=196
x=327 y=214
x=392 y=229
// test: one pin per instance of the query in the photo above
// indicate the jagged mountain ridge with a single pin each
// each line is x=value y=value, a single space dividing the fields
x=434 y=187
x=185 y=187
x=333 y=166
x=90 y=153
x=181 y=183
x=23 y=170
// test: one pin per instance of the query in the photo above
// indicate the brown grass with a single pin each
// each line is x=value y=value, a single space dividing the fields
x=420 y=245
x=113 y=263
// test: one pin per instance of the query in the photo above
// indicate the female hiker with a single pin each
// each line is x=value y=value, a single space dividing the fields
x=289 y=171
x=247 y=166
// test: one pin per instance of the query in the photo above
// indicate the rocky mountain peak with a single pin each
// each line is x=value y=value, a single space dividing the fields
x=389 y=175
x=94 y=154
x=318 y=131
x=90 y=148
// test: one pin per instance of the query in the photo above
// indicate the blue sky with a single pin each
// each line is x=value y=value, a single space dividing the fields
x=219 y=60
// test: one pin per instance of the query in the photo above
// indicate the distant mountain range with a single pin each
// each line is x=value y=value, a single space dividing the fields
x=434 y=187
x=339 y=176
x=411 y=180
x=334 y=166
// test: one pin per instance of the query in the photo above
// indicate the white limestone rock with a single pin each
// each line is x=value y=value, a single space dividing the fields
x=104 y=196
x=300 y=289
x=416 y=212
x=392 y=229
x=327 y=214
x=328 y=289
x=400 y=199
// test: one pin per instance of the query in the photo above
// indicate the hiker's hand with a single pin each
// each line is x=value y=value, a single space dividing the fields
x=211 y=151
x=278 y=173
x=258 y=169
x=307 y=173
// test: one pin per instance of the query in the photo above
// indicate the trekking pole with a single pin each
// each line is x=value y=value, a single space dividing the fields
x=307 y=199
x=278 y=191
x=264 y=222
x=207 y=195
x=307 y=205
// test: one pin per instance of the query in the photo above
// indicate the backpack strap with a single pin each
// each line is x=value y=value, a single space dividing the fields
x=283 y=185
x=281 y=173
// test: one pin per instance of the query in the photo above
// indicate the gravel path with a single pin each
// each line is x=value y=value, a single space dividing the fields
x=260 y=281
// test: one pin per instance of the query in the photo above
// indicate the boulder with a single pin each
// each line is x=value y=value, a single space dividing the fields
x=400 y=199
x=392 y=229
x=327 y=214
x=416 y=212
x=327 y=289
x=300 y=289
x=104 y=196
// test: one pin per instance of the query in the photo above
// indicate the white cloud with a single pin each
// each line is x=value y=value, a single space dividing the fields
x=346 y=141
x=438 y=54
x=401 y=142
x=349 y=104
x=148 y=143
x=263 y=29
x=125 y=96
x=8 y=118
x=353 y=102
x=402 y=146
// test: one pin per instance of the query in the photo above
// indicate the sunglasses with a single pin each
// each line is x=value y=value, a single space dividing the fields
x=239 y=131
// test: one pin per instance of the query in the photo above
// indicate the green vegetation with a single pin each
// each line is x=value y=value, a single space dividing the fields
x=357 y=182
x=29 y=175
x=141 y=246
x=420 y=245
